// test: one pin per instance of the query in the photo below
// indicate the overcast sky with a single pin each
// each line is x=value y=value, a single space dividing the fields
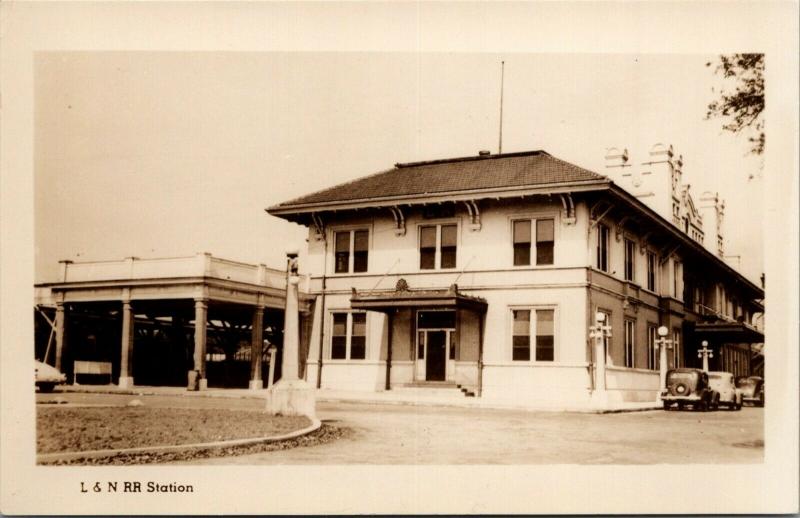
x=156 y=154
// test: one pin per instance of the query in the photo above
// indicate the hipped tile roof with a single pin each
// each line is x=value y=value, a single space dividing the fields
x=532 y=168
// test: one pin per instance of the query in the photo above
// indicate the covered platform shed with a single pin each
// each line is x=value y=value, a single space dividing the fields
x=185 y=321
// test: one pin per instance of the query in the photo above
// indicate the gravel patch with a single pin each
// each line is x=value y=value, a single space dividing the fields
x=106 y=428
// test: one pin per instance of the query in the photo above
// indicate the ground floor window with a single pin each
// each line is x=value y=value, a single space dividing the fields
x=349 y=336
x=533 y=335
x=630 y=343
x=676 y=347
x=652 y=351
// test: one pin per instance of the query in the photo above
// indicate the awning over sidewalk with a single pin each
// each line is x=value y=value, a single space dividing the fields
x=728 y=332
x=403 y=297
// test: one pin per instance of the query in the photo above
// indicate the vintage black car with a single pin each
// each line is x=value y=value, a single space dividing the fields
x=689 y=387
x=752 y=388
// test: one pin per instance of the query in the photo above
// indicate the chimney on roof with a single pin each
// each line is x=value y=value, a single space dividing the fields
x=616 y=158
x=712 y=209
x=484 y=152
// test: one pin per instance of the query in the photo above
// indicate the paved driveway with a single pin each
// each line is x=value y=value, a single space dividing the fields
x=393 y=434
x=424 y=435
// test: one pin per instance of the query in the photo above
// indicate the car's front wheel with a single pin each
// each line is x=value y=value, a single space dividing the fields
x=666 y=405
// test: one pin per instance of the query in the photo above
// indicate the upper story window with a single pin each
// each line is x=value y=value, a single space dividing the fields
x=676 y=279
x=438 y=246
x=349 y=336
x=351 y=250
x=602 y=247
x=533 y=238
x=630 y=257
x=532 y=335
x=652 y=269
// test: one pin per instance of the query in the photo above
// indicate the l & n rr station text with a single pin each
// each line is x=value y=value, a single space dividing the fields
x=135 y=487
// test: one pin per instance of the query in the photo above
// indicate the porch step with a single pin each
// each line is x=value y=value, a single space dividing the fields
x=433 y=389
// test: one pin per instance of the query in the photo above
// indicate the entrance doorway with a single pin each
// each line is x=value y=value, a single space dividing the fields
x=435 y=346
x=435 y=364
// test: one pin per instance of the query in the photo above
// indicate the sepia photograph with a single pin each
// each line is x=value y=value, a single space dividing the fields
x=399 y=266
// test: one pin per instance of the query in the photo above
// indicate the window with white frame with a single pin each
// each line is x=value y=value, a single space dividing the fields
x=630 y=343
x=533 y=335
x=602 y=247
x=652 y=271
x=677 y=272
x=676 y=347
x=652 y=351
x=533 y=238
x=438 y=246
x=351 y=251
x=349 y=336
x=630 y=260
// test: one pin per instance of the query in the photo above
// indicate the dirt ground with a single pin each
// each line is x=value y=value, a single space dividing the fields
x=76 y=428
x=401 y=434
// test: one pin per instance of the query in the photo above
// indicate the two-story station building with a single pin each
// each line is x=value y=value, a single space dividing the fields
x=486 y=272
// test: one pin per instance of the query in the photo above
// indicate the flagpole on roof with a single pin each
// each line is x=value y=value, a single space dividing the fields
x=502 y=74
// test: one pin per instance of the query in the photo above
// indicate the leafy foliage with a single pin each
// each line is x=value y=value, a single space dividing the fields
x=743 y=105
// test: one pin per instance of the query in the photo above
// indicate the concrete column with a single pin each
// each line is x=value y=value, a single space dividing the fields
x=126 y=356
x=662 y=364
x=291 y=396
x=60 y=325
x=256 y=345
x=600 y=362
x=599 y=333
x=200 y=317
x=272 y=353
x=291 y=333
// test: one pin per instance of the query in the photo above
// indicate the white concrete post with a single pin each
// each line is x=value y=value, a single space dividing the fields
x=663 y=344
x=291 y=396
x=600 y=361
x=256 y=345
x=600 y=333
x=60 y=325
x=272 y=353
x=126 y=355
x=291 y=332
x=200 y=317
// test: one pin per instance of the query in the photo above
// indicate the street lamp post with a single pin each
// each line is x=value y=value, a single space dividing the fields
x=599 y=333
x=663 y=343
x=705 y=353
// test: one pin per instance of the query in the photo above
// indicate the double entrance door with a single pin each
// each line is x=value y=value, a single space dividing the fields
x=435 y=345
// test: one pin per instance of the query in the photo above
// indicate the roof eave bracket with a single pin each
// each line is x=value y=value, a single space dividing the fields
x=474 y=215
x=569 y=209
x=621 y=228
x=399 y=220
x=319 y=226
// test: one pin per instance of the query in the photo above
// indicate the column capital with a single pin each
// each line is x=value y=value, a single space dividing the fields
x=200 y=300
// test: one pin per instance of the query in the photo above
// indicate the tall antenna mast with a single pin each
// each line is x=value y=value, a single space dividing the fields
x=502 y=74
